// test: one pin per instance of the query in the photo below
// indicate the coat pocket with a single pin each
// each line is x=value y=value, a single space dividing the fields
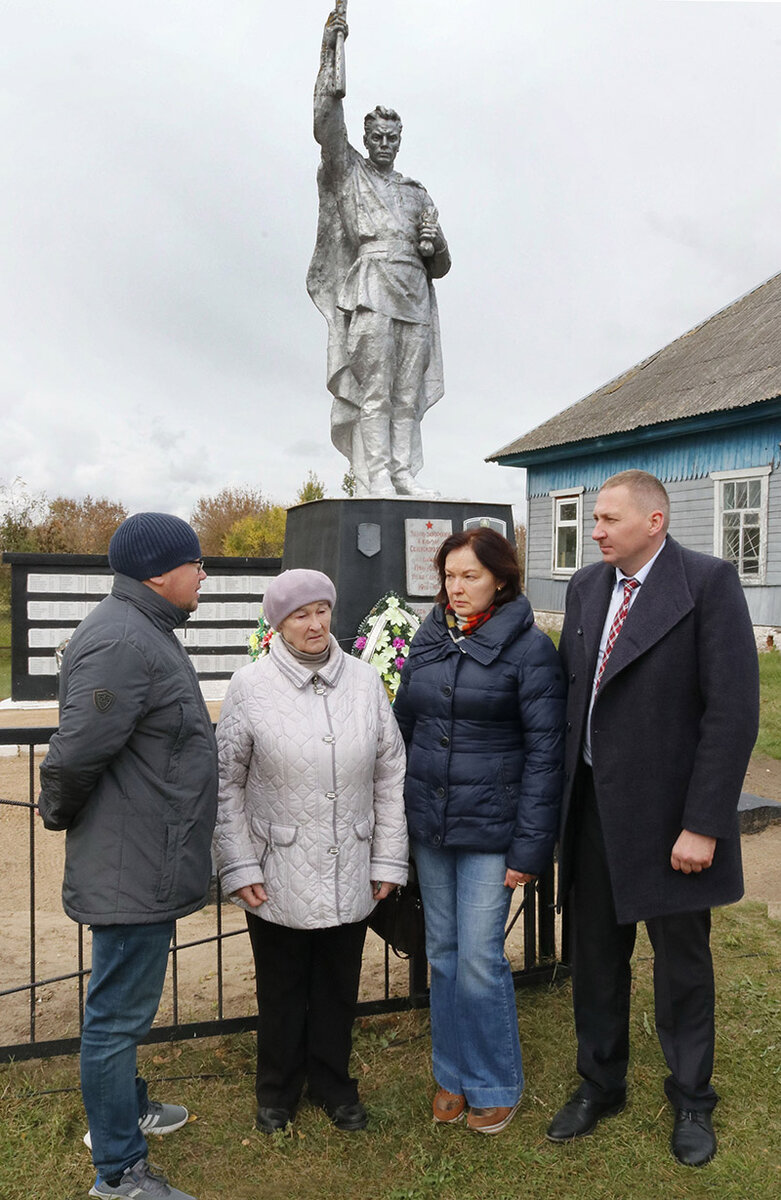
x=364 y=828
x=169 y=862
x=272 y=835
x=508 y=787
x=186 y=725
x=275 y=859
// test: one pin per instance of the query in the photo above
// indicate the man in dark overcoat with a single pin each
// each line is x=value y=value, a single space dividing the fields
x=662 y=716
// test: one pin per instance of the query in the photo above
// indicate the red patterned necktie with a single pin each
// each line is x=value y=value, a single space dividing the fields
x=615 y=628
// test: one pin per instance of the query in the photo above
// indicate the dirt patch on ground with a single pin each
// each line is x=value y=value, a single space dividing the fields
x=51 y=949
x=763 y=777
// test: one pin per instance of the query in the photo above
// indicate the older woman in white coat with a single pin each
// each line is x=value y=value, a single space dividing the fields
x=310 y=835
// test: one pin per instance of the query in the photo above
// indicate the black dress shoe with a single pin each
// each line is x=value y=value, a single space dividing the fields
x=269 y=1120
x=348 y=1117
x=580 y=1116
x=693 y=1142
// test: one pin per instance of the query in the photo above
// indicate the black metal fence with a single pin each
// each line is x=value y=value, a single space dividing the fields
x=32 y=1027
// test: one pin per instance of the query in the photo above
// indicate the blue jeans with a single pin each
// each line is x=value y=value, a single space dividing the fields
x=128 y=970
x=474 y=1023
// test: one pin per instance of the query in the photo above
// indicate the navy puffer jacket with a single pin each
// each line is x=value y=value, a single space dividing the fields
x=483 y=721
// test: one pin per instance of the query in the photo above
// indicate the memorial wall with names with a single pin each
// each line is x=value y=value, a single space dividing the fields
x=52 y=593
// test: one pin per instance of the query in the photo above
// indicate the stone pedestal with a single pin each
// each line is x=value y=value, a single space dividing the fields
x=369 y=547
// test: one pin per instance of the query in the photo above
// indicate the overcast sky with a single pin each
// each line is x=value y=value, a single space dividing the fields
x=607 y=173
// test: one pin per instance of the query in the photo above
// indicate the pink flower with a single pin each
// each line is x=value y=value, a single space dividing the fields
x=398 y=643
x=400 y=662
x=360 y=642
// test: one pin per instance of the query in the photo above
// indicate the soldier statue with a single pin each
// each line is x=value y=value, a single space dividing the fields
x=379 y=247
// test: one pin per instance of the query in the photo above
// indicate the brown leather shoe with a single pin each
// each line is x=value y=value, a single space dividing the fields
x=491 y=1120
x=448 y=1107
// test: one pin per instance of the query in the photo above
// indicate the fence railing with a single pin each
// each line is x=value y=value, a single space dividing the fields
x=44 y=957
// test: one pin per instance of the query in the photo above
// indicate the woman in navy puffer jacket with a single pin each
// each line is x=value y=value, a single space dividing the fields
x=481 y=709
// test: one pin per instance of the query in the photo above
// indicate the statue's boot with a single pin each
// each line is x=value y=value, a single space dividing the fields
x=402 y=433
x=405 y=485
x=375 y=434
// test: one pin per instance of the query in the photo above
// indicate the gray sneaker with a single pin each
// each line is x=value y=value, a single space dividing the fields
x=158 y=1119
x=142 y=1182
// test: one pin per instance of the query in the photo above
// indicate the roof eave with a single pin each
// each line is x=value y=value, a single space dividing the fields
x=648 y=433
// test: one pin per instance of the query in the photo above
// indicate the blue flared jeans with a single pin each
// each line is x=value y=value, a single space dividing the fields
x=476 y=1049
x=128 y=971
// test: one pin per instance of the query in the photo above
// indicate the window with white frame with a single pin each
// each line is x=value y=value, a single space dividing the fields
x=740 y=526
x=567 y=531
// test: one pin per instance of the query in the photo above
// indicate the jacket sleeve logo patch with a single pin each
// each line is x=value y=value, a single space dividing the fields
x=102 y=698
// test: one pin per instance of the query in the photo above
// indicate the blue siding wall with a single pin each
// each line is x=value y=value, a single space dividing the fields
x=539 y=536
x=773 y=578
x=692 y=516
x=693 y=456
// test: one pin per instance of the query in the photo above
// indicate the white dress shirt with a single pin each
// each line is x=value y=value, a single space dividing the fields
x=616 y=600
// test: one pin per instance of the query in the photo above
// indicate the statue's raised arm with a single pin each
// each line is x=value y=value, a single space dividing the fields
x=330 y=130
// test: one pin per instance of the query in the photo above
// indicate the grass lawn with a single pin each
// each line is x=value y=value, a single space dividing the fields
x=404 y=1156
x=769 y=740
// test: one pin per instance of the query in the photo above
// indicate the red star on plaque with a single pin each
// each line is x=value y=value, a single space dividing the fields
x=429 y=524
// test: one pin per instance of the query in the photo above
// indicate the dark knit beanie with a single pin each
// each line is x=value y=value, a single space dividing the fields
x=151 y=543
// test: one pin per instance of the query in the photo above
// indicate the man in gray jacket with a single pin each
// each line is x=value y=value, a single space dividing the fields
x=131 y=775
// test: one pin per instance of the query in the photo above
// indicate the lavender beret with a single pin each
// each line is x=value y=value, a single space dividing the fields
x=292 y=590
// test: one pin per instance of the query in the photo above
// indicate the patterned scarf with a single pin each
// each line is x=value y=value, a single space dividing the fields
x=466 y=625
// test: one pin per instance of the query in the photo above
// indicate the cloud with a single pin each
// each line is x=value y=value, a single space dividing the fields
x=607 y=175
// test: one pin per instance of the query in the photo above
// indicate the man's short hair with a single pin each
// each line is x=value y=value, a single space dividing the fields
x=648 y=491
x=380 y=114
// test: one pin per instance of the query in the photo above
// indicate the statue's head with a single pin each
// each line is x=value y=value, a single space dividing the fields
x=382 y=136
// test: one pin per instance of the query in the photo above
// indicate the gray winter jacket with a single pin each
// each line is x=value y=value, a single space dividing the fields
x=311 y=788
x=131 y=773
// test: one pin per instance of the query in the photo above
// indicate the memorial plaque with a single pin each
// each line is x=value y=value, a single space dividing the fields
x=494 y=523
x=422 y=540
x=369 y=538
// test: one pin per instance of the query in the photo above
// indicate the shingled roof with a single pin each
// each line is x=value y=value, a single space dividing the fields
x=732 y=360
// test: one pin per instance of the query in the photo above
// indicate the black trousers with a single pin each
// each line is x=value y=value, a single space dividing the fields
x=684 y=994
x=307 y=987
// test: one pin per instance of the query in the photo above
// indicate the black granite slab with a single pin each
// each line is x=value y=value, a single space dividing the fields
x=323 y=535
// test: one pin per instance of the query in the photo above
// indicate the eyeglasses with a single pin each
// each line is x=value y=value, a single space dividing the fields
x=196 y=562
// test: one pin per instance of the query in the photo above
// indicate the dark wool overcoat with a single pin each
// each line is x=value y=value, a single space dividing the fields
x=483 y=722
x=672 y=729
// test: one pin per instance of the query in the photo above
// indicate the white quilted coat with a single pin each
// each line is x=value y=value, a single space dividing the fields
x=311 y=788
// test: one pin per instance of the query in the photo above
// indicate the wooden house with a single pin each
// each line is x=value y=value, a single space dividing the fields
x=704 y=415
